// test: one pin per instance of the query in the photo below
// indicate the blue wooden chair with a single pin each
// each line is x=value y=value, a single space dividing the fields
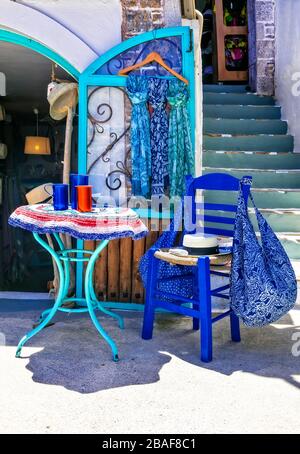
x=199 y=306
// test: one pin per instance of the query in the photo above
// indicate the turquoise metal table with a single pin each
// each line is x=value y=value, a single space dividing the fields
x=102 y=224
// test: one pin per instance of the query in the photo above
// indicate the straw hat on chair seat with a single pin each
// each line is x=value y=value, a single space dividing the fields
x=60 y=97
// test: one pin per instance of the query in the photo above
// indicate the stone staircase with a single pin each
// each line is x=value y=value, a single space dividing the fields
x=244 y=135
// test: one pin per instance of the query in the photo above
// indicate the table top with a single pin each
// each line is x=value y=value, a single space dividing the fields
x=99 y=224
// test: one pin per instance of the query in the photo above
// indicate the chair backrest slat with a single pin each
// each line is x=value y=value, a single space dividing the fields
x=215 y=215
x=218 y=232
x=219 y=207
x=218 y=219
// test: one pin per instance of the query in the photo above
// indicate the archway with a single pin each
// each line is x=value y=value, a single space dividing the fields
x=15 y=38
x=27 y=65
x=46 y=35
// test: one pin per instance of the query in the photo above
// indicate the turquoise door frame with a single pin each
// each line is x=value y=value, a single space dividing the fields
x=88 y=78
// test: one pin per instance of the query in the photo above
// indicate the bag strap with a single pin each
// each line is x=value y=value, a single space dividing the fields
x=253 y=202
x=246 y=194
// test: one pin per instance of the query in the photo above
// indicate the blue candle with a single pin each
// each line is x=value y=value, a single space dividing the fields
x=60 y=196
x=76 y=180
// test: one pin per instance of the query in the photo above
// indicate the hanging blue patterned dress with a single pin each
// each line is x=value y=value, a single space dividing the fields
x=181 y=155
x=159 y=129
x=137 y=90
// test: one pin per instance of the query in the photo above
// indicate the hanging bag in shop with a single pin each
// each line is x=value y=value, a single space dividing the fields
x=263 y=283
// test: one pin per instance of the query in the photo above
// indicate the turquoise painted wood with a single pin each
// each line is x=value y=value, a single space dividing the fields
x=276 y=143
x=235 y=111
x=136 y=40
x=243 y=126
x=237 y=98
x=15 y=38
x=88 y=78
x=253 y=160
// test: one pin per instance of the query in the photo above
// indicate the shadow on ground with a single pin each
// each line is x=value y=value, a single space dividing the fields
x=73 y=355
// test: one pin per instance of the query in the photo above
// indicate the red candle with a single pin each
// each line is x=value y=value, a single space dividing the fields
x=84 y=198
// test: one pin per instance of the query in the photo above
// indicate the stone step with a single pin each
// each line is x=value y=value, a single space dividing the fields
x=243 y=126
x=273 y=143
x=241 y=112
x=251 y=159
x=291 y=243
x=264 y=197
x=247 y=99
x=279 y=220
x=296 y=266
x=264 y=178
x=223 y=88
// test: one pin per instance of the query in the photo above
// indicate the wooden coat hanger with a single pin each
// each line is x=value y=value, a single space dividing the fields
x=153 y=56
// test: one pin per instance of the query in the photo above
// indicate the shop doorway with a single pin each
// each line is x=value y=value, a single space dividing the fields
x=224 y=41
x=25 y=113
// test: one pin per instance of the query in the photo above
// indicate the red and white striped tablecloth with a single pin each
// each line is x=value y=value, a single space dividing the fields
x=101 y=223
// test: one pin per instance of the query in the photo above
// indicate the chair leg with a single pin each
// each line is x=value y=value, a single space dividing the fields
x=149 y=311
x=205 y=309
x=148 y=322
x=196 y=320
x=235 y=327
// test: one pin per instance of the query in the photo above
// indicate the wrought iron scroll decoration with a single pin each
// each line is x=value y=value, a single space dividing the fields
x=105 y=112
x=114 y=65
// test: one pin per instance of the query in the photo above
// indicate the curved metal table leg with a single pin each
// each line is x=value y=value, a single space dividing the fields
x=66 y=264
x=89 y=299
x=103 y=309
x=90 y=296
x=111 y=314
x=44 y=314
x=58 y=300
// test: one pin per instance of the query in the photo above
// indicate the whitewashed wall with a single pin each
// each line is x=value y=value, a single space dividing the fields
x=287 y=64
x=78 y=30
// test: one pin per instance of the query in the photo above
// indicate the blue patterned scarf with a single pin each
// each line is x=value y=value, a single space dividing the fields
x=137 y=90
x=159 y=128
x=181 y=156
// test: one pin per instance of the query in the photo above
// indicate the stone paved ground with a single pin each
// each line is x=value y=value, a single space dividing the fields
x=66 y=381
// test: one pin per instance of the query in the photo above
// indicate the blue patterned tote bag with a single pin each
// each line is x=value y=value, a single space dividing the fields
x=263 y=283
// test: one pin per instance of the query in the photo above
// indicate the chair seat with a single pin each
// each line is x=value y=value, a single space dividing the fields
x=216 y=261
